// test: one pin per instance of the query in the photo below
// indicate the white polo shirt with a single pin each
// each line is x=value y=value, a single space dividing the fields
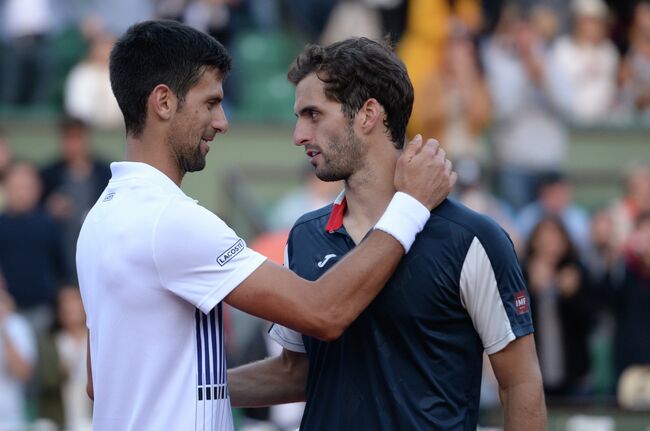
x=153 y=269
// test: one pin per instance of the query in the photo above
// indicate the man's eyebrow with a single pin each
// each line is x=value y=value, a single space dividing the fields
x=306 y=110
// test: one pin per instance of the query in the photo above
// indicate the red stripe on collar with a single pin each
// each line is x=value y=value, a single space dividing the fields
x=335 y=221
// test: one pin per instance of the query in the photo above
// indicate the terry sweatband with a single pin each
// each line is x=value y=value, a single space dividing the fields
x=403 y=219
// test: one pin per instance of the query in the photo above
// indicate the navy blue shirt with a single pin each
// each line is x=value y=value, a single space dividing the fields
x=413 y=359
x=31 y=258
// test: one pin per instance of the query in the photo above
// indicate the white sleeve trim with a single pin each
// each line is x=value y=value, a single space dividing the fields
x=287 y=338
x=480 y=296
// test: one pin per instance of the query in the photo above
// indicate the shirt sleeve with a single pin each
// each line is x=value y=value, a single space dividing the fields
x=199 y=257
x=493 y=291
x=287 y=338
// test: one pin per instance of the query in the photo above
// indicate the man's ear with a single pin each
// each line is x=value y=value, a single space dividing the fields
x=162 y=102
x=370 y=115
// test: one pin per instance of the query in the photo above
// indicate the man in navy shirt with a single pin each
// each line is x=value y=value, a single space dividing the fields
x=412 y=360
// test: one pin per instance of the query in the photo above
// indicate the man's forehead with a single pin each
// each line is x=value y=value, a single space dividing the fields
x=311 y=91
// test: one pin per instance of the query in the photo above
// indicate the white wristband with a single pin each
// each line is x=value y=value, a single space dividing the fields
x=403 y=219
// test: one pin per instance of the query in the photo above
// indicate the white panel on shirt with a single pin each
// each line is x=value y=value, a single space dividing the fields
x=198 y=257
x=479 y=294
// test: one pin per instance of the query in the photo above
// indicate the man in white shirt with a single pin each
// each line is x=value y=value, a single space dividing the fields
x=154 y=267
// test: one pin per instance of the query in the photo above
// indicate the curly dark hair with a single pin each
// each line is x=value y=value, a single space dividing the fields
x=358 y=69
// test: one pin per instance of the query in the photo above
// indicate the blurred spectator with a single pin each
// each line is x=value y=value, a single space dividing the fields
x=453 y=103
x=72 y=184
x=555 y=198
x=529 y=96
x=547 y=18
x=6 y=158
x=351 y=18
x=31 y=255
x=88 y=94
x=635 y=71
x=630 y=297
x=563 y=309
x=590 y=61
x=635 y=201
x=71 y=339
x=62 y=366
x=216 y=18
x=310 y=16
x=18 y=353
x=311 y=195
x=428 y=25
x=115 y=16
x=470 y=190
x=393 y=17
x=603 y=253
x=28 y=62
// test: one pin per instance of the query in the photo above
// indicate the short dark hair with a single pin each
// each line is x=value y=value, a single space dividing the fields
x=69 y=122
x=160 y=52
x=357 y=69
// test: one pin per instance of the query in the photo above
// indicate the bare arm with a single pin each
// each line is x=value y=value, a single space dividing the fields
x=324 y=308
x=89 y=372
x=277 y=380
x=18 y=366
x=520 y=385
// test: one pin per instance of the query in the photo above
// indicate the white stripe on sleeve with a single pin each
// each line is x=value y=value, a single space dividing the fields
x=479 y=294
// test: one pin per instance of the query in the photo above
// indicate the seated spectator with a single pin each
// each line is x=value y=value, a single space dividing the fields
x=635 y=70
x=555 y=198
x=18 y=353
x=72 y=184
x=88 y=94
x=635 y=201
x=630 y=297
x=563 y=309
x=603 y=254
x=31 y=254
x=590 y=62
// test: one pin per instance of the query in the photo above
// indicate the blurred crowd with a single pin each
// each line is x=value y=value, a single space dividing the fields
x=498 y=83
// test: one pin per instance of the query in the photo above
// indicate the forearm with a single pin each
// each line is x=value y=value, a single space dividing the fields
x=17 y=365
x=267 y=382
x=524 y=407
x=343 y=293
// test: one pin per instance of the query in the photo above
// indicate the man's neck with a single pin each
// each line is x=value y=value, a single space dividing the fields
x=151 y=149
x=368 y=192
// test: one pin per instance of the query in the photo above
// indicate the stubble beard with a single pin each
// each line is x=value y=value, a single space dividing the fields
x=343 y=158
x=188 y=156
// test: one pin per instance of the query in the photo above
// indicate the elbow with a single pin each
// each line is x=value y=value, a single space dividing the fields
x=90 y=390
x=329 y=326
x=329 y=334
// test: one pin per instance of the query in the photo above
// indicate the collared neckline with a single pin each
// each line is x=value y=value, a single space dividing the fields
x=335 y=221
x=126 y=170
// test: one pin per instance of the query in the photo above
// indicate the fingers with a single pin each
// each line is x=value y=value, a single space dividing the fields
x=413 y=146
x=434 y=146
x=453 y=177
